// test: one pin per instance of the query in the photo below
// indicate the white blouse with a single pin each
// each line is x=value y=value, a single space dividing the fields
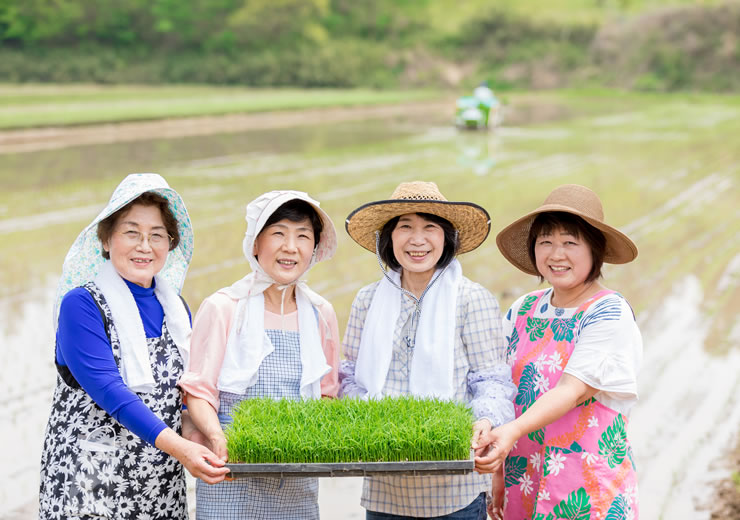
x=608 y=347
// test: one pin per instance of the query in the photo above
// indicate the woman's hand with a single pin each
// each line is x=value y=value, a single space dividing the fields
x=217 y=443
x=498 y=443
x=200 y=462
x=204 y=417
x=480 y=428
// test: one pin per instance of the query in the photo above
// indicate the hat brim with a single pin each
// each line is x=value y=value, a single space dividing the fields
x=470 y=220
x=512 y=240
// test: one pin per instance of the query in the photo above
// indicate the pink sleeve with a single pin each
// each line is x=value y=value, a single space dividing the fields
x=330 y=343
x=207 y=348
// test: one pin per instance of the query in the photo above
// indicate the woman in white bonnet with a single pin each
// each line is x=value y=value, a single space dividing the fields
x=112 y=448
x=425 y=329
x=267 y=335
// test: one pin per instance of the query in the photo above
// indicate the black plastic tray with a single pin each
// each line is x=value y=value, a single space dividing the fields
x=351 y=469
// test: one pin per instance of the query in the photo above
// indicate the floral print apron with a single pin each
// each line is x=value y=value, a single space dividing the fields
x=581 y=466
x=93 y=467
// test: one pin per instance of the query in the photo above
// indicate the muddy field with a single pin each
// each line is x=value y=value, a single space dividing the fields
x=668 y=172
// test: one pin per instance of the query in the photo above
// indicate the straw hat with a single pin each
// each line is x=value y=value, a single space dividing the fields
x=470 y=220
x=569 y=198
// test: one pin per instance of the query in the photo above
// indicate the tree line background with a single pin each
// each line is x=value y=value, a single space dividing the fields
x=641 y=44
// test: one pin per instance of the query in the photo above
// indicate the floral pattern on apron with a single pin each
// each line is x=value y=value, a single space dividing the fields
x=93 y=467
x=581 y=466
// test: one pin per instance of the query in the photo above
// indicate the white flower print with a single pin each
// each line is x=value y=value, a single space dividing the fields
x=121 y=487
x=125 y=508
x=590 y=457
x=88 y=463
x=105 y=505
x=164 y=372
x=151 y=487
x=83 y=483
x=541 y=383
x=630 y=514
x=555 y=463
x=107 y=474
x=593 y=422
x=543 y=495
x=535 y=460
x=554 y=362
x=525 y=484
x=150 y=454
x=631 y=493
x=539 y=363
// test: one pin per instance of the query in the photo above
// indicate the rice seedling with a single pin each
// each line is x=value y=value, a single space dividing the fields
x=349 y=430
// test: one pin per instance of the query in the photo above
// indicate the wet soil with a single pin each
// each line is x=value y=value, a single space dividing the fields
x=726 y=501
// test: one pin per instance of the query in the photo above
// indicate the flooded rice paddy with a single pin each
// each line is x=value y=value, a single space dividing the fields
x=668 y=173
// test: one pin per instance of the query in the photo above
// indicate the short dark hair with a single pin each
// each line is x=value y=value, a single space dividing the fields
x=149 y=198
x=549 y=221
x=297 y=210
x=452 y=241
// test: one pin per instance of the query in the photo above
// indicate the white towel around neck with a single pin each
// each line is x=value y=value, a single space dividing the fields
x=136 y=368
x=433 y=363
x=248 y=344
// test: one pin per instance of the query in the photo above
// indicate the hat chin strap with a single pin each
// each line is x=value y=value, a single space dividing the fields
x=417 y=301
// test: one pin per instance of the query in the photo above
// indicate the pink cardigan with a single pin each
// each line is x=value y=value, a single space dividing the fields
x=208 y=346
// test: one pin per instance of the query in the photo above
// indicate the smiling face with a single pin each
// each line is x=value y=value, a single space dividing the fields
x=284 y=249
x=563 y=259
x=418 y=244
x=138 y=260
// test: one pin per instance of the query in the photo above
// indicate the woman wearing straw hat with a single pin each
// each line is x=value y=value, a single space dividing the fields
x=267 y=335
x=111 y=448
x=425 y=329
x=575 y=352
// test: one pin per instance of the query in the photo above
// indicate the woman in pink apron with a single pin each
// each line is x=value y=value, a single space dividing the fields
x=575 y=351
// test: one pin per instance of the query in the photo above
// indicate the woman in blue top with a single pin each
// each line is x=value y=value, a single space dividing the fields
x=113 y=442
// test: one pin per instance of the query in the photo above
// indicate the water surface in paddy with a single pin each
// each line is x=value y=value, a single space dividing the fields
x=666 y=172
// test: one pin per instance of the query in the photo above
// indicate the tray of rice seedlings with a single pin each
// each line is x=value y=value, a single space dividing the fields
x=349 y=437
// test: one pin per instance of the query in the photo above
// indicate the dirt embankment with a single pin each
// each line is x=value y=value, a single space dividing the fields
x=33 y=139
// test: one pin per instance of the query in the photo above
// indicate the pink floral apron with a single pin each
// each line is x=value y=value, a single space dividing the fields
x=581 y=466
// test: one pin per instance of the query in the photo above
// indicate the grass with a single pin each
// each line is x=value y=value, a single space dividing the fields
x=38 y=105
x=450 y=15
x=349 y=430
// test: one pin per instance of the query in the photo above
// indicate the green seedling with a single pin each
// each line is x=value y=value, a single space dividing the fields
x=349 y=430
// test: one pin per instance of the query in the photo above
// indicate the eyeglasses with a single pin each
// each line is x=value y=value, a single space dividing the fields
x=156 y=239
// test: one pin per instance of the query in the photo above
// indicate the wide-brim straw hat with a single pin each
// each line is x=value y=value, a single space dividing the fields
x=471 y=221
x=576 y=200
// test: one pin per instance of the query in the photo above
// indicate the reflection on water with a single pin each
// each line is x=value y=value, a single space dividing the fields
x=678 y=198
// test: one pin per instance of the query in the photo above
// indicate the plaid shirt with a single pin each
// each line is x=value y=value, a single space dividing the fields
x=481 y=378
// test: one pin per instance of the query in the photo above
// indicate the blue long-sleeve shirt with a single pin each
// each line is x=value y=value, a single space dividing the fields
x=83 y=347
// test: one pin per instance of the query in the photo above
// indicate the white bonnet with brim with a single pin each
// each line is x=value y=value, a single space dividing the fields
x=84 y=259
x=247 y=344
x=262 y=208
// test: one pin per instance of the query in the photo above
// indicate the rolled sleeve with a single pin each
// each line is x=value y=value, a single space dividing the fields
x=207 y=348
x=493 y=394
x=489 y=377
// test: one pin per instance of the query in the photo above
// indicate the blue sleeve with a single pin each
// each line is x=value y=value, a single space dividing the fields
x=83 y=346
